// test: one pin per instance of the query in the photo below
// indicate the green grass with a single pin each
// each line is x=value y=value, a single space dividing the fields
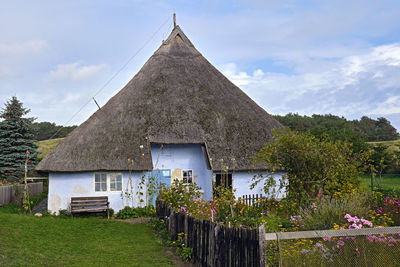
x=388 y=182
x=46 y=146
x=393 y=145
x=65 y=241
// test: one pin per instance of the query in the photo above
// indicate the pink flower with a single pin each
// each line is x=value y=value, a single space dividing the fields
x=357 y=251
x=340 y=243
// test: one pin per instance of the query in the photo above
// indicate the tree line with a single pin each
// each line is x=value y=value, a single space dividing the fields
x=339 y=128
x=49 y=130
x=355 y=132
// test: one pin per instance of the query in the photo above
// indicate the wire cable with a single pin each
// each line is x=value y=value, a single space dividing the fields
x=115 y=74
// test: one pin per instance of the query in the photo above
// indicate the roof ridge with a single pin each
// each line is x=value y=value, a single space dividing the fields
x=178 y=31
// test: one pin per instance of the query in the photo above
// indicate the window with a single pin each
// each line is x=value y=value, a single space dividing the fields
x=223 y=179
x=107 y=182
x=187 y=176
x=115 y=182
x=100 y=182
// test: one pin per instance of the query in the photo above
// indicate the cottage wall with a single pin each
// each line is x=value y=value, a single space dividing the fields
x=184 y=157
x=242 y=181
x=170 y=158
x=63 y=186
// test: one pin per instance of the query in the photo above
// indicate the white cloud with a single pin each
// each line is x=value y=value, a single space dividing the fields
x=15 y=56
x=22 y=49
x=390 y=106
x=75 y=71
x=367 y=83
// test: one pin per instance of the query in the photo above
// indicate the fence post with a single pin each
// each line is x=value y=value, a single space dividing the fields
x=172 y=225
x=262 y=245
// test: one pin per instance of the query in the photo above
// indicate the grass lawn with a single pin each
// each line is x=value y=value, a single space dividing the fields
x=393 y=145
x=92 y=241
x=46 y=146
x=387 y=183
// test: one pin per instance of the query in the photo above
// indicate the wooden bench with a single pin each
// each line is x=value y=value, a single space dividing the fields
x=90 y=204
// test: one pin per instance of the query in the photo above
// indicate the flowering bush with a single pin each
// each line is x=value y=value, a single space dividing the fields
x=185 y=198
x=361 y=208
x=330 y=211
x=388 y=213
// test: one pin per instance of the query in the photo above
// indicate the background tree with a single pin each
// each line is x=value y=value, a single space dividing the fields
x=381 y=158
x=314 y=166
x=46 y=130
x=339 y=128
x=16 y=137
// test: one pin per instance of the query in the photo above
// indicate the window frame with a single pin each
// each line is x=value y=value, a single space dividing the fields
x=108 y=182
x=187 y=170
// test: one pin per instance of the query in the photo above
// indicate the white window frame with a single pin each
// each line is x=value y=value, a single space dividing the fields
x=186 y=170
x=94 y=182
x=108 y=181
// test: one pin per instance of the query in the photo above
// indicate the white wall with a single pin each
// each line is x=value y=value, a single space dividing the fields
x=241 y=181
x=184 y=157
x=63 y=186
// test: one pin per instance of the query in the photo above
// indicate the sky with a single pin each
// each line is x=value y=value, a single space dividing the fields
x=305 y=57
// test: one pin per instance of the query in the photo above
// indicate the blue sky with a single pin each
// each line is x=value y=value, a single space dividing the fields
x=338 y=57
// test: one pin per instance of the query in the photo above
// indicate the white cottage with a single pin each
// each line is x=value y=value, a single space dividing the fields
x=178 y=117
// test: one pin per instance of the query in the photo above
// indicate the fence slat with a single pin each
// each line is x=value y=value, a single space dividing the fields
x=214 y=244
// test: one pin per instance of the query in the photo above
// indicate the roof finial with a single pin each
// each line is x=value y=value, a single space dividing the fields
x=174 y=20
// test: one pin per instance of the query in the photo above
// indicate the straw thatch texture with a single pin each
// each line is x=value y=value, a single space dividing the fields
x=177 y=97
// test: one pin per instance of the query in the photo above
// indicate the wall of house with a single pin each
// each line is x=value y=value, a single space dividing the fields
x=63 y=186
x=175 y=158
x=184 y=157
x=242 y=181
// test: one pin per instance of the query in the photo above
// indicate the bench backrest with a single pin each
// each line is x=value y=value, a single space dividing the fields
x=79 y=199
x=79 y=202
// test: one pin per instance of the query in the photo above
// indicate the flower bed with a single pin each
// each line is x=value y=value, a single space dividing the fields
x=285 y=215
x=342 y=211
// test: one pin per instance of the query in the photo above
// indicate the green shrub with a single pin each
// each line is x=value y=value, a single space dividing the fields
x=64 y=213
x=111 y=212
x=128 y=212
x=272 y=223
x=160 y=227
x=184 y=252
x=330 y=211
x=12 y=208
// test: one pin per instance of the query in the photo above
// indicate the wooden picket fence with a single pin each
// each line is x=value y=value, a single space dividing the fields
x=214 y=244
x=251 y=199
x=10 y=194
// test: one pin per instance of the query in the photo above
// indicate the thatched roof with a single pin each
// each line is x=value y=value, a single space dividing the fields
x=177 y=97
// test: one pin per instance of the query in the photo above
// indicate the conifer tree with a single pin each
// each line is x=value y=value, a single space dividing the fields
x=16 y=137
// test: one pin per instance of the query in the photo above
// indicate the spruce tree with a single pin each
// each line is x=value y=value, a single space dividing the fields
x=16 y=137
